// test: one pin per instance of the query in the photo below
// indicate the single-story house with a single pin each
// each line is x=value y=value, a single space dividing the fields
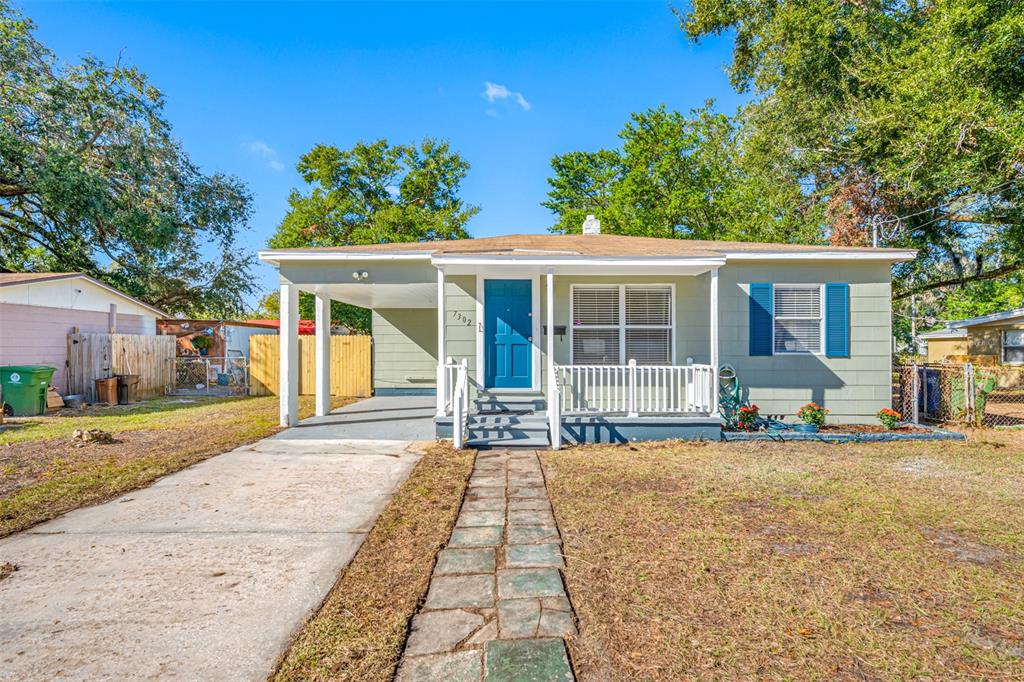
x=531 y=339
x=993 y=339
x=39 y=309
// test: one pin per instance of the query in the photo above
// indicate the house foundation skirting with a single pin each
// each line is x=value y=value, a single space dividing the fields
x=580 y=429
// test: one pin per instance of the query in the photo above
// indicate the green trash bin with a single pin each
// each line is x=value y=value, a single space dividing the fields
x=24 y=388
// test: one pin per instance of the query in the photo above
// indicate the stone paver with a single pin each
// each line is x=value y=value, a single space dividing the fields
x=528 y=659
x=496 y=609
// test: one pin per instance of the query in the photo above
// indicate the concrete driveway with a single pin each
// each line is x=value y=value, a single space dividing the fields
x=204 y=575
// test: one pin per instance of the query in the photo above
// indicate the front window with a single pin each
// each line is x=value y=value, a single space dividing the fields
x=797 y=318
x=613 y=324
x=1013 y=347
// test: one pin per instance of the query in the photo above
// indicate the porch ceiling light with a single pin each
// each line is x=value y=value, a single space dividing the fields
x=359 y=276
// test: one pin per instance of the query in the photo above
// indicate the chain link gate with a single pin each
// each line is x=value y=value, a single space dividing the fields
x=201 y=375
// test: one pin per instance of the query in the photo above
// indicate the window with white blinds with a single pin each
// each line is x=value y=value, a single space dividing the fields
x=798 y=318
x=613 y=324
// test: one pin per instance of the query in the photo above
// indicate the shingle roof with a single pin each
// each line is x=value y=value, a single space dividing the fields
x=7 y=278
x=601 y=245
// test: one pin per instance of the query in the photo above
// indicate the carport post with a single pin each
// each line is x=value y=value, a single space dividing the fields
x=288 y=335
x=442 y=389
x=714 y=343
x=323 y=354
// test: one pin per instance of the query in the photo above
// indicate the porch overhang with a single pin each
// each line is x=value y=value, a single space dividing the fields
x=579 y=265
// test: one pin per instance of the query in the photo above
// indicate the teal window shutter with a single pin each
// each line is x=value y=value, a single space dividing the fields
x=837 y=320
x=761 y=314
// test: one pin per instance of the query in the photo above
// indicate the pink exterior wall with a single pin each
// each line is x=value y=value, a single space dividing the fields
x=38 y=335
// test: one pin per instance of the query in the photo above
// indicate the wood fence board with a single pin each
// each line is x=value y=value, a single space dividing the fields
x=350 y=365
x=97 y=356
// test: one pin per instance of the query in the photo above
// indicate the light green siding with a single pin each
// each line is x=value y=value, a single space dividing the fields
x=854 y=389
x=404 y=348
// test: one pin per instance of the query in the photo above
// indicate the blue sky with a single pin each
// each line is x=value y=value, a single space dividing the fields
x=250 y=87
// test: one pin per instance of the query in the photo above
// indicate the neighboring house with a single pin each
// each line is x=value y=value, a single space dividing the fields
x=605 y=337
x=988 y=339
x=39 y=310
x=306 y=327
x=230 y=337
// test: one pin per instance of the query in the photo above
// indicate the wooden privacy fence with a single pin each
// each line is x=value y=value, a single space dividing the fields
x=350 y=365
x=97 y=356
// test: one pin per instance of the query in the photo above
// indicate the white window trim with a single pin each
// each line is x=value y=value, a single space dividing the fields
x=1002 y=347
x=821 y=313
x=622 y=326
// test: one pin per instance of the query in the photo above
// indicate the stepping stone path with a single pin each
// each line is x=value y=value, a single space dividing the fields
x=496 y=609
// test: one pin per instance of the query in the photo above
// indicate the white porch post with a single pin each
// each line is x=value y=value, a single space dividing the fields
x=442 y=389
x=714 y=342
x=550 y=303
x=323 y=355
x=288 y=391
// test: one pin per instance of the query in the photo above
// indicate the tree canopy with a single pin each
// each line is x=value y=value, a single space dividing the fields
x=92 y=180
x=680 y=176
x=374 y=193
x=905 y=116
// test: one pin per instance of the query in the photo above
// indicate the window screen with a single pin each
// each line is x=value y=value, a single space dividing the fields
x=614 y=324
x=797 y=318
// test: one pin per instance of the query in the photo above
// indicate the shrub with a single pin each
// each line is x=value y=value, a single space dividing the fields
x=201 y=342
x=747 y=417
x=890 y=418
x=812 y=413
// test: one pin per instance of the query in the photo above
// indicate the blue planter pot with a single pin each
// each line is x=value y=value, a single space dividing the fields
x=805 y=428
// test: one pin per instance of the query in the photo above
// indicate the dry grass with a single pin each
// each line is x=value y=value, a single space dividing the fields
x=360 y=630
x=795 y=561
x=44 y=473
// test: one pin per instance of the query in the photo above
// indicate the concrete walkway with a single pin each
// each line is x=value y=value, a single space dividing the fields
x=496 y=609
x=204 y=575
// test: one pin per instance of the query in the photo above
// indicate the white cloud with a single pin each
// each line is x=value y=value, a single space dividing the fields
x=494 y=92
x=261 y=149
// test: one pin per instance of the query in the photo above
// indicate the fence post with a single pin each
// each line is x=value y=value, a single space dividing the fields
x=632 y=389
x=970 y=417
x=913 y=396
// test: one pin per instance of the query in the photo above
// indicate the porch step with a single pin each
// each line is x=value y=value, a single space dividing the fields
x=492 y=403
x=507 y=430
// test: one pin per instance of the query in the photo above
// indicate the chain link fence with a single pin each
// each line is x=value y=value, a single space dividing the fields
x=199 y=375
x=960 y=393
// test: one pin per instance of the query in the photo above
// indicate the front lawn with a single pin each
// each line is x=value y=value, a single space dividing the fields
x=795 y=561
x=45 y=472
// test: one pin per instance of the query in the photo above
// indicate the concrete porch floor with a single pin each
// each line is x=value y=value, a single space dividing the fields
x=399 y=418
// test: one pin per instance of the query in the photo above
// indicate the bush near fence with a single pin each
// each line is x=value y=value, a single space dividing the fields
x=351 y=358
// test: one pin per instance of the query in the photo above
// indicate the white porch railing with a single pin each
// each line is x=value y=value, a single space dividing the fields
x=460 y=403
x=450 y=372
x=636 y=389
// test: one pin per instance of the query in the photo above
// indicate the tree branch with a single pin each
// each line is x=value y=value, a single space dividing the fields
x=960 y=281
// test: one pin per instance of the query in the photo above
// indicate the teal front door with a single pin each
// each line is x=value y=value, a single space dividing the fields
x=507 y=333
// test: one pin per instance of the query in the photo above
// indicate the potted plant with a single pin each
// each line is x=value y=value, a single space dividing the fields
x=202 y=344
x=747 y=418
x=813 y=417
x=889 y=417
